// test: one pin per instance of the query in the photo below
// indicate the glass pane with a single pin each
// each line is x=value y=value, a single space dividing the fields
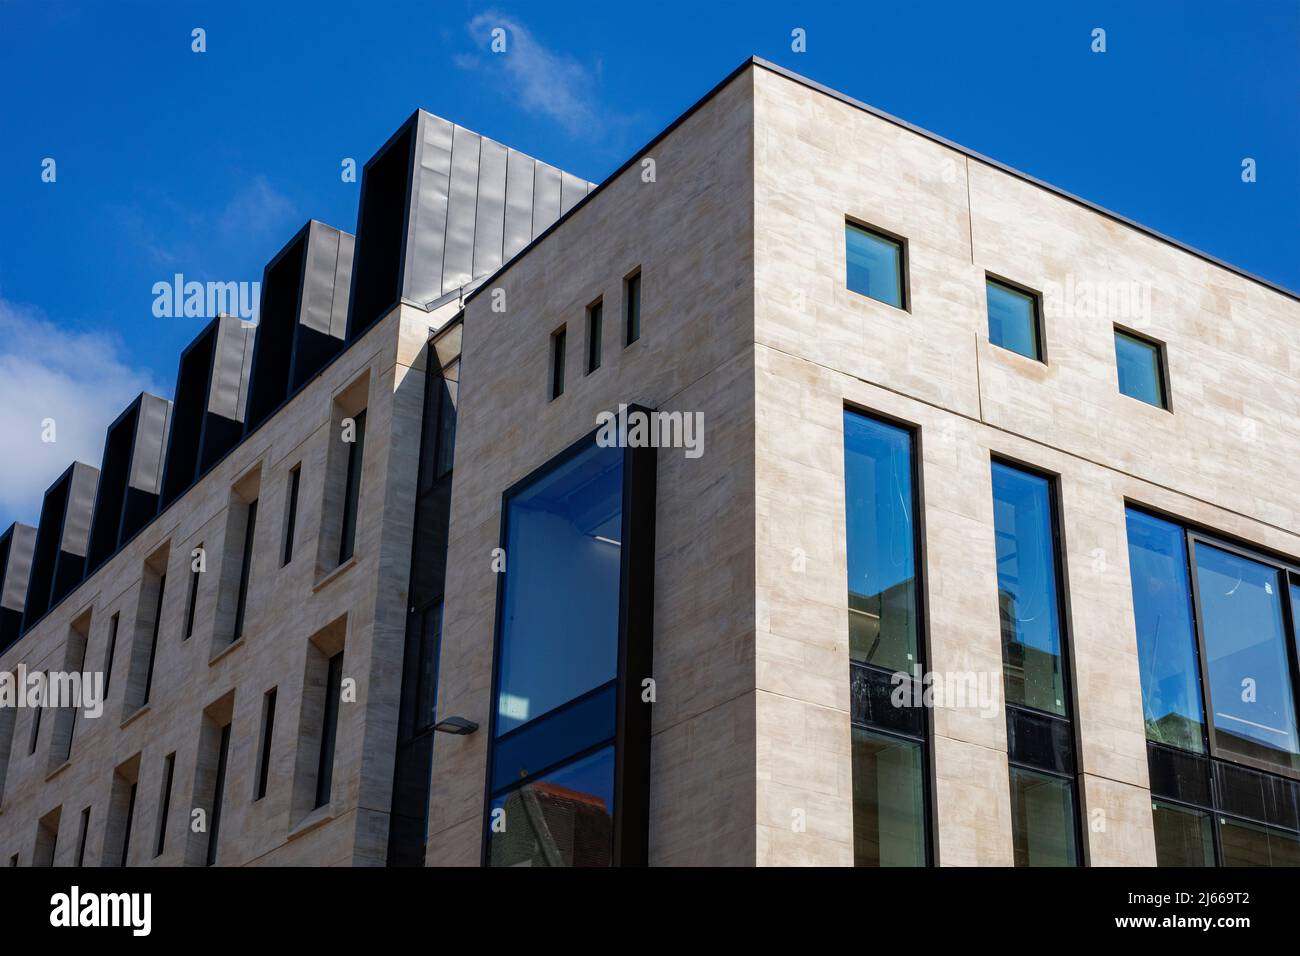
x=1250 y=844
x=874 y=265
x=1246 y=650
x=888 y=803
x=1027 y=590
x=1139 y=369
x=563 y=819
x=1183 y=836
x=427 y=694
x=881 y=541
x=1012 y=321
x=559 y=636
x=1042 y=819
x=1162 y=610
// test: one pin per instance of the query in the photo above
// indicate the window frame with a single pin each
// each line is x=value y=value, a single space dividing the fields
x=1064 y=611
x=595 y=336
x=1036 y=302
x=628 y=280
x=904 y=262
x=923 y=642
x=1162 y=366
x=631 y=740
x=1290 y=575
x=559 y=349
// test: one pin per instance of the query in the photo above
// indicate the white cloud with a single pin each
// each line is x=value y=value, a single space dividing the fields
x=81 y=380
x=544 y=82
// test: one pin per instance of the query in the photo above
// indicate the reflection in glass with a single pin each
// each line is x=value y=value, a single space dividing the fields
x=559 y=634
x=888 y=802
x=1027 y=590
x=1138 y=363
x=1162 y=610
x=875 y=265
x=1246 y=652
x=1184 y=836
x=883 y=627
x=1042 y=819
x=1013 y=319
x=565 y=818
x=1251 y=844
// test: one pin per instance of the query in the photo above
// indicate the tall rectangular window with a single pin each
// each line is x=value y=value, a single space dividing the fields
x=245 y=569
x=445 y=442
x=557 y=362
x=1141 y=367
x=352 y=490
x=595 y=319
x=1044 y=807
x=268 y=734
x=1015 y=322
x=575 y=613
x=219 y=794
x=192 y=600
x=153 y=637
x=632 y=308
x=36 y=728
x=885 y=644
x=291 y=515
x=165 y=803
x=127 y=824
x=329 y=730
x=111 y=650
x=82 y=833
x=1162 y=606
x=1216 y=633
x=876 y=265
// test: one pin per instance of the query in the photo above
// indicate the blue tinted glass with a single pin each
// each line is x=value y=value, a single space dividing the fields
x=559 y=631
x=563 y=819
x=1139 y=369
x=1162 y=611
x=1027 y=590
x=1246 y=653
x=881 y=543
x=1012 y=322
x=874 y=265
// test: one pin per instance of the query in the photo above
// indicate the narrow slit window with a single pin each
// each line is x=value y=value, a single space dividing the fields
x=245 y=569
x=632 y=308
x=291 y=515
x=595 y=320
x=329 y=730
x=557 y=363
x=193 y=600
x=164 y=803
x=268 y=732
x=352 y=490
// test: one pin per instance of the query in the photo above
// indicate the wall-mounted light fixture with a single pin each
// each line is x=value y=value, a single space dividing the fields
x=455 y=725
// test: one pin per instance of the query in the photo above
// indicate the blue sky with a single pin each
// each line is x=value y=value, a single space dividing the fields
x=205 y=164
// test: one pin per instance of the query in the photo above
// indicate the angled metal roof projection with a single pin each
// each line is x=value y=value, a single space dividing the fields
x=303 y=317
x=443 y=207
x=130 y=476
x=59 y=559
x=208 y=408
x=16 y=547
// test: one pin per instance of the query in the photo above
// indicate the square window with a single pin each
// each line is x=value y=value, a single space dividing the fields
x=875 y=265
x=1141 y=369
x=1014 y=319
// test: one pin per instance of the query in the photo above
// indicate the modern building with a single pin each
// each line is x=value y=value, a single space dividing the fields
x=811 y=491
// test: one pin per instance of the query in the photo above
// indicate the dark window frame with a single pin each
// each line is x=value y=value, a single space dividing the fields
x=245 y=570
x=632 y=322
x=291 y=514
x=631 y=740
x=1036 y=301
x=923 y=643
x=904 y=262
x=595 y=335
x=1064 y=612
x=329 y=731
x=192 y=600
x=267 y=737
x=559 y=347
x=1162 y=366
x=165 y=803
x=352 y=488
x=1288 y=568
